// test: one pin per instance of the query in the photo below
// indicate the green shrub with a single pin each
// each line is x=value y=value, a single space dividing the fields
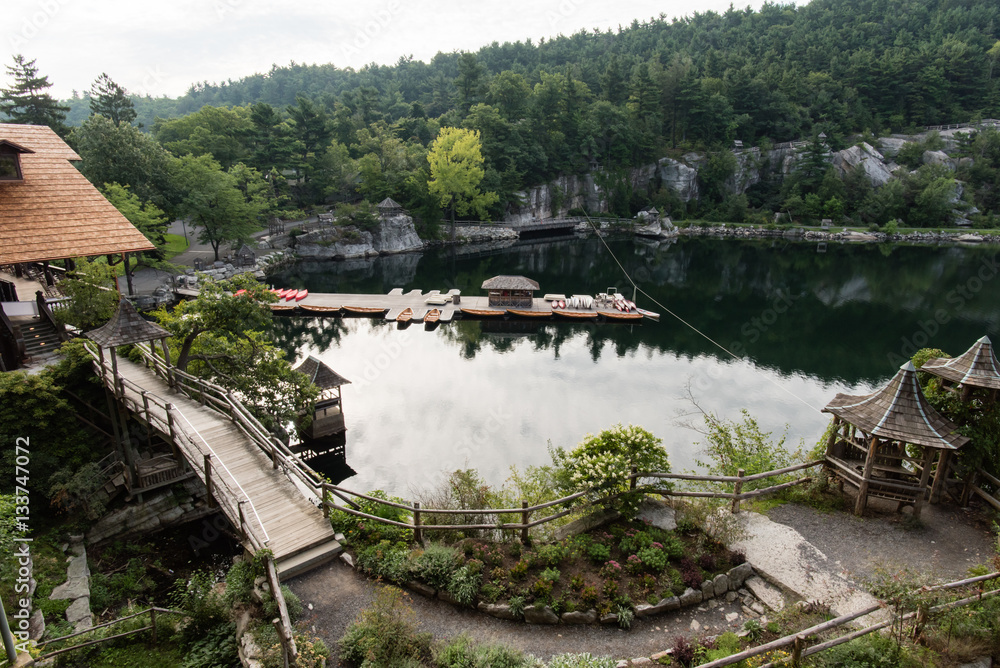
x=359 y=530
x=519 y=570
x=870 y=651
x=581 y=661
x=516 y=604
x=465 y=583
x=109 y=592
x=551 y=555
x=653 y=558
x=385 y=634
x=386 y=560
x=598 y=553
x=216 y=650
x=550 y=575
x=292 y=602
x=462 y=652
x=435 y=565
x=197 y=597
x=635 y=541
x=239 y=583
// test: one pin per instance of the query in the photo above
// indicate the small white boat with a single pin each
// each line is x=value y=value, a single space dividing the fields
x=553 y=297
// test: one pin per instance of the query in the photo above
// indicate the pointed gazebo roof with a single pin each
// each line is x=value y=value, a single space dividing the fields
x=509 y=283
x=320 y=374
x=899 y=411
x=389 y=204
x=977 y=366
x=126 y=327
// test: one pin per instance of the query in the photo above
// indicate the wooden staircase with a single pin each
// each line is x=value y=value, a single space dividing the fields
x=40 y=338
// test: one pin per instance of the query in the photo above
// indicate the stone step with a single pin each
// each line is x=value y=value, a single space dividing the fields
x=309 y=559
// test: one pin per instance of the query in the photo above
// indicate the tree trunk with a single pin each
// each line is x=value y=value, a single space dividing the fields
x=185 y=352
x=452 y=221
x=215 y=247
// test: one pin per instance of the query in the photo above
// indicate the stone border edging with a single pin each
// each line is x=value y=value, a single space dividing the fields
x=803 y=234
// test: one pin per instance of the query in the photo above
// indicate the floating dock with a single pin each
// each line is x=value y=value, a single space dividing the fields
x=451 y=305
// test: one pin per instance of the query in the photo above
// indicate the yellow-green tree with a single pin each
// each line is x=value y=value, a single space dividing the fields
x=456 y=161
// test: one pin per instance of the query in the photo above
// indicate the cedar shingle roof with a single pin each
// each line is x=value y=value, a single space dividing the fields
x=977 y=366
x=899 y=411
x=55 y=212
x=320 y=374
x=126 y=326
x=509 y=283
x=389 y=203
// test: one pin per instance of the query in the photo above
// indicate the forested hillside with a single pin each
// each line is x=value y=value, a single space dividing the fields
x=614 y=100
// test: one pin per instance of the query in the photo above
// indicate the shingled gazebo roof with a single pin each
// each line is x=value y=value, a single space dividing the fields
x=389 y=203
x=54 y=212
x=125 y=327
x=320 y=374
x=509 y=283
x=899 y=411
x=977 y=366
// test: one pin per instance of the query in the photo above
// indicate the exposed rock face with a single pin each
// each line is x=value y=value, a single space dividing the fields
x=868 y=158
x=680 y=177
x=938 y=158
x=540 y=202
x=890 y=146
x=394 y=234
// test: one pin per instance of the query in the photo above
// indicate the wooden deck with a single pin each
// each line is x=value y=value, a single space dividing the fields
x=274 y=505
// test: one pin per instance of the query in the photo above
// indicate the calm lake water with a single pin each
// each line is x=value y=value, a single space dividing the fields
x=803 y=325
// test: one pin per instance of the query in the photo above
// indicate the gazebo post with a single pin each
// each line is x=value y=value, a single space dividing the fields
x=833 y=435
x=925 y=475
x=114 y=373
x=944 y=459
x=862 y=502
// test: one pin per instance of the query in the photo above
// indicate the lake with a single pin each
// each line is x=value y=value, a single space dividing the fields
x=798 y=325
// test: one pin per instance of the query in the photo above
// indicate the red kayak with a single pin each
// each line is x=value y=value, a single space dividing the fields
x=239 y=292
x=291 y=294
x=302 y=295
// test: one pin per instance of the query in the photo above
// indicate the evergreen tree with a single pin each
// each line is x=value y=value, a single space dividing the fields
x=110 y=100
x=27 y=102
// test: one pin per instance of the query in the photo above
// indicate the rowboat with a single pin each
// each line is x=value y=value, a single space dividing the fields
x=621 y=315
x=577 y=315
x=433 y=315
x=319 y=309
x=406 y=315
x=482 y=312
x=364 y=310
x=283 y=307
x=291 y=295
x=529 y=314
x=302 y=295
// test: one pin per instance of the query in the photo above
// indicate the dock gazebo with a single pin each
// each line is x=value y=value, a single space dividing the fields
x=516 y=291
x=328 y=417
x=977 y=367
x=868 y=445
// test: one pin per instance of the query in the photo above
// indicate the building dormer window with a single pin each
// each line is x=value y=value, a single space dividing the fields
x=10 y=161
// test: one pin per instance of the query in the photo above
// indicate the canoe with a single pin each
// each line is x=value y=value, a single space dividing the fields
x=283 y=307
x=433 y=315
x=483 y=312
x=621 y=315
x=302 y=295
x=578 y=315
x=364 y=310
x=319 y=309
x=406 y=315
x=649 y=314
x=283 y=292
x=529 y=314
x=291 y=295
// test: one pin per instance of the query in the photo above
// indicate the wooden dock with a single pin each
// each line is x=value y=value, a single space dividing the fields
x=396 y=301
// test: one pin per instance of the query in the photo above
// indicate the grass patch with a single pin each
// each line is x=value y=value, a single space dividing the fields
x=176 y=244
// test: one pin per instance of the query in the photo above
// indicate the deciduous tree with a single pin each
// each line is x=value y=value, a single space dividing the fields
x=456 y=162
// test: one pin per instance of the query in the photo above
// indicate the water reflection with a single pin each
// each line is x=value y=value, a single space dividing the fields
x=492 y=394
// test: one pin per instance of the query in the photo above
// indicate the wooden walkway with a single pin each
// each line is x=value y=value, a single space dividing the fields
x=265 y=500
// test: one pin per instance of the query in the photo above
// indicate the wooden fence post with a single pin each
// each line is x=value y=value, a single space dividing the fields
x=970 y=482
x=797 y=647
x=737 y=490
x=149 y=423
x=208 y=479
x=243 y=520
x=274 y=454
x=152 y=622
x=322 y=500
x=632 y=478
x=525 y=538
x=418 y=535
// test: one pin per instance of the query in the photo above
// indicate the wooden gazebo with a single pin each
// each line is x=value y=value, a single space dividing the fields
x=868 y=445
x=246 y=256
x=516 y=291
x=328 y=417
x=977 y=367
x=127 y=327
x=389 y=207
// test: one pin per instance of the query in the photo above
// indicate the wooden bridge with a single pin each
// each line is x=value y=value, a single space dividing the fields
x=268 y=494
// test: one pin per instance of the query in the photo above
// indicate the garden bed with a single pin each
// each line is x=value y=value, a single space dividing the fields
x=609 y=574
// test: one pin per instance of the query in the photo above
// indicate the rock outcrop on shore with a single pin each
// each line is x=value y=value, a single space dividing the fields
x=393 y=234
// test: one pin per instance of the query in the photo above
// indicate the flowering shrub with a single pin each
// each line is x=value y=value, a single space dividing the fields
x=654 y=558
x=612 y=569
x=519 y=570
x=633 y=565
x=600 y=466
x=635 y=541
x=589 y=596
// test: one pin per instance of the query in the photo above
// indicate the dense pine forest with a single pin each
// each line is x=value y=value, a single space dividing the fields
x=606 y=102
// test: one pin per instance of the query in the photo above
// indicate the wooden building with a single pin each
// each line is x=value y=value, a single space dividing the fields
x=49 y=211
x=516 y=291
x=389 y=207
x=868 y=445
x=246 y=256
x=328 y=417
x=977 y=367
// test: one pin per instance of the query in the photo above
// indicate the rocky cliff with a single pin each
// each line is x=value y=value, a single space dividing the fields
x=394 y=234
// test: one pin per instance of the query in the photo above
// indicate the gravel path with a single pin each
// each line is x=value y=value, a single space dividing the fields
x=949 y=541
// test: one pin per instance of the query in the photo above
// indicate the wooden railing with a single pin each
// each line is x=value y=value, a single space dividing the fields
x=798 y=641
x=418 y=513
x=151 y=611
x=978 y=490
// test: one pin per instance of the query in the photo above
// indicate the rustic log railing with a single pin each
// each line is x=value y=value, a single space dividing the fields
x=798 y=640
x=418 y=513
x=151 y=611
x=978 y=490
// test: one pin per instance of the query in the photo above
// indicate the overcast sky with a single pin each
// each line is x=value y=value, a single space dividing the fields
x=161 y=47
